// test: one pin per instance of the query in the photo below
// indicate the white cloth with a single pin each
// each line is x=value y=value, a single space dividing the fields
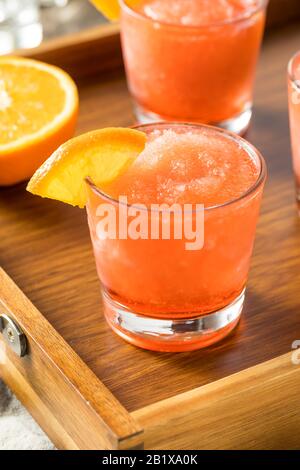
x=18 y=430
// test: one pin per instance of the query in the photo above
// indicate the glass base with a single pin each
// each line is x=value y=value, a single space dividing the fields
x=185 y=334
x=238 y=124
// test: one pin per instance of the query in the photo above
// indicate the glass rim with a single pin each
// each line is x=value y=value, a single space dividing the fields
x=291 y=74
x=250 y=149
x=248 y=14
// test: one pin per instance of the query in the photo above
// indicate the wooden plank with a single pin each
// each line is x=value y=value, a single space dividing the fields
x=89 y=53
x=30 y=399
x=57 y=387
x=258 y=408
x=282 y=11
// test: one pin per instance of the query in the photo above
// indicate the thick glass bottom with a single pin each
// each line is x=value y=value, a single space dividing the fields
x=167 y=335
x=237 y=124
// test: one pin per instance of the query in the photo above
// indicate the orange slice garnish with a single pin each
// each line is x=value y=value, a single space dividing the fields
x=111 y=8
x=102 y=155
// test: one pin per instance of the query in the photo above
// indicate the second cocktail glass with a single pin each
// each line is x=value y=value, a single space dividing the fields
x=294 y=107
x=193 y=61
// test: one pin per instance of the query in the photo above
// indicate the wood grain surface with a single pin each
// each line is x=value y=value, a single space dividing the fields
x=240 y=412
x=45 y=248
x=282 y=11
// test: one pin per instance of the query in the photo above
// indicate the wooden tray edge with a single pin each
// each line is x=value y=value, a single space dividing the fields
x=67 y=383
x=91 y=52
x=257 y=408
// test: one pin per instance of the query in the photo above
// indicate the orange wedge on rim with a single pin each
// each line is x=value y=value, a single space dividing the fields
x=38 y=112
x=102 y=155
x=111 y=8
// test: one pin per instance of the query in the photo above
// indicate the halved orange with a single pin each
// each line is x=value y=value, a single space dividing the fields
x=102 y=155
x=38 y=112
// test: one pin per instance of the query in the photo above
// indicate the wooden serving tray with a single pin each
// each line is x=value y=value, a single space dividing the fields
x=86 y=387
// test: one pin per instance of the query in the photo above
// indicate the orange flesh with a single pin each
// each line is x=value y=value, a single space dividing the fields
x=38 y=112
x=29 y=111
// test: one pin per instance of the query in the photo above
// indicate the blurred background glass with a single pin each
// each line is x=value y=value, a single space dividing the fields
x=54 y=3
x=26 y=23
x=19 y=24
